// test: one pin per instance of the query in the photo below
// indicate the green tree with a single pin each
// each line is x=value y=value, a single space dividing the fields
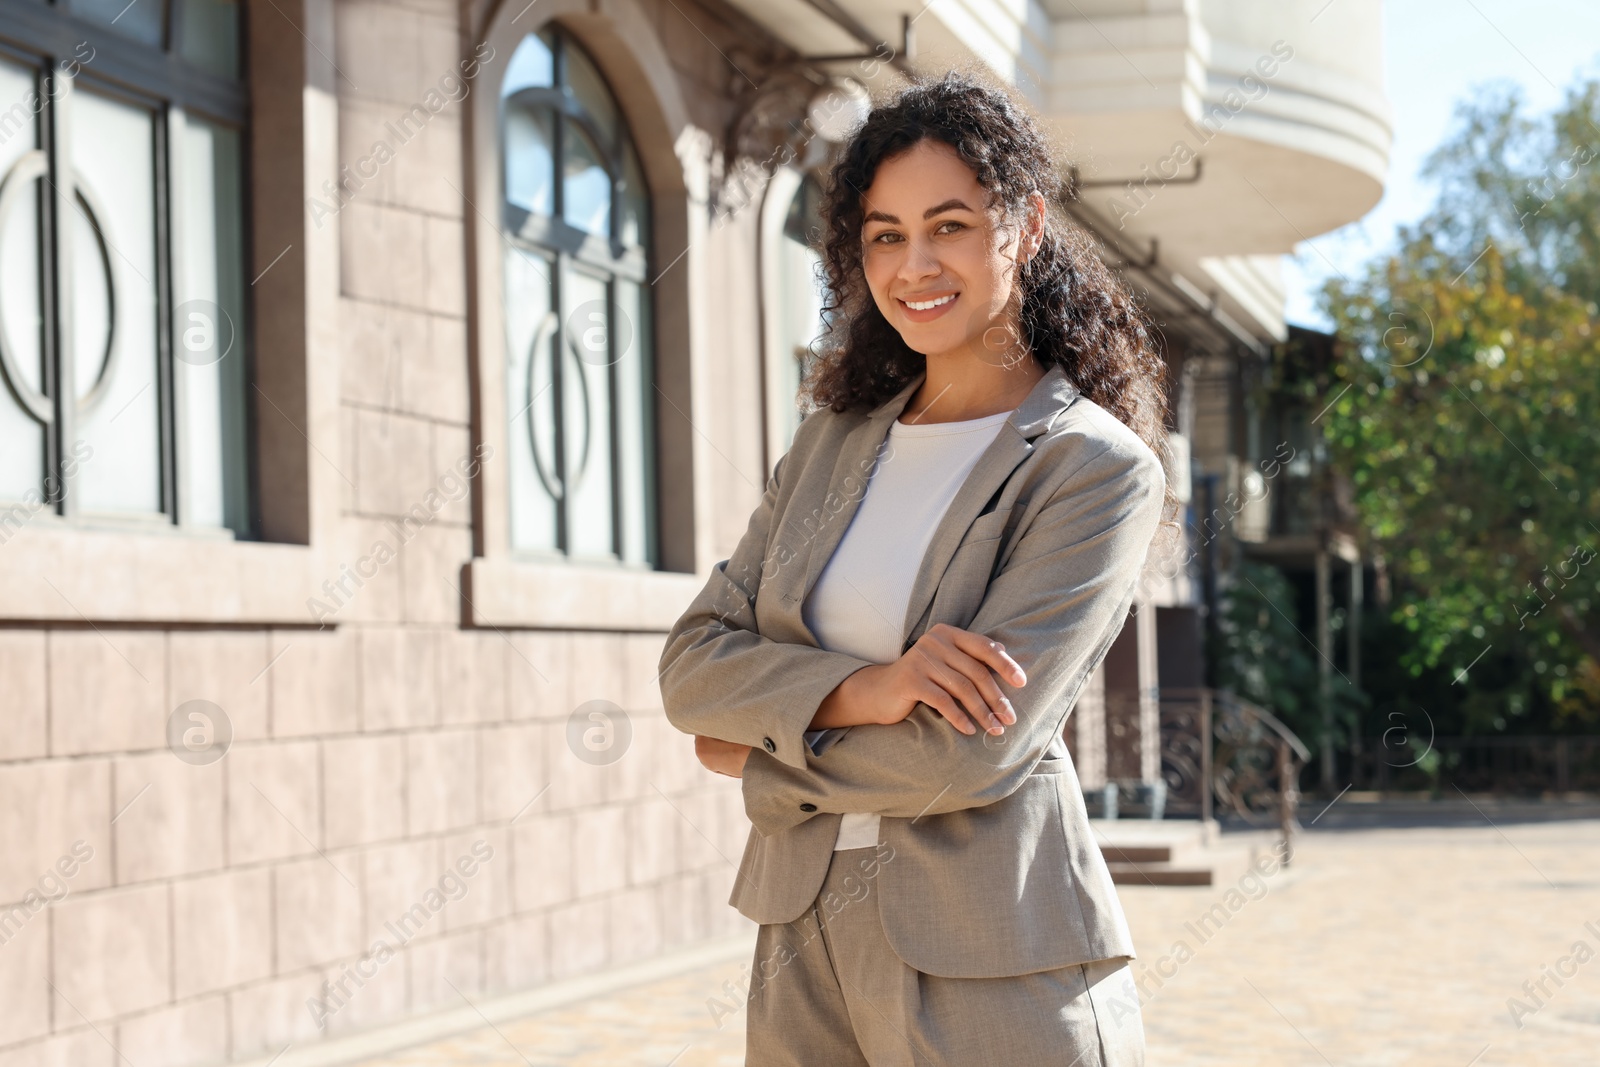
x=1469 y=426
x=1259 y=653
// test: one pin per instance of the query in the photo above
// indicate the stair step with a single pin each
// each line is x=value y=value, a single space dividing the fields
x=1157 y=874
x=1137 y=853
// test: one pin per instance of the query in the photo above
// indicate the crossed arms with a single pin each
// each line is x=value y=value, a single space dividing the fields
x=1055 y=607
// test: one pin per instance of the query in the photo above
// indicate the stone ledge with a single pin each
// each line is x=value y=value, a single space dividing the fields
x=53 y=573
x=519 y=593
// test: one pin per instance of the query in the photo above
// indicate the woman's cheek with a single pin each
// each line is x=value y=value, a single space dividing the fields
x=880 y=272
x=885 y=302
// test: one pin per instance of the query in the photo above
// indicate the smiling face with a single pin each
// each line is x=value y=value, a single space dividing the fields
x=940 y=266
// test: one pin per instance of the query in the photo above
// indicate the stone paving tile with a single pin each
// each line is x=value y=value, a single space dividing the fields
x=653 y=1025
x=1384 y=947
x=1379 y=948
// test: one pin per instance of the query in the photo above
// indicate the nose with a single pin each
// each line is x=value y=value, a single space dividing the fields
x=918 y=262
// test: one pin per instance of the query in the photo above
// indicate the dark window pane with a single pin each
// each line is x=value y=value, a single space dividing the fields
x=140 y=19
x=590 y=89
x=803 y=223
x=635 y=199
x=211 y=36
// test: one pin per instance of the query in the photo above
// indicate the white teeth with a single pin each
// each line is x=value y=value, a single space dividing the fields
x=924 y=306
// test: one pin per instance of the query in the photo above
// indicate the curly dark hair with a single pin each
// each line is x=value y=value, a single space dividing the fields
x=1073 y=313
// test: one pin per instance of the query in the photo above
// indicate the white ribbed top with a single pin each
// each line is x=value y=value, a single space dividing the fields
x=859 y=603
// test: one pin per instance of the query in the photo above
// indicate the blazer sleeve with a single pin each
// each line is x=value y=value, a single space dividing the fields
x=1056 y=607
x=721 y=678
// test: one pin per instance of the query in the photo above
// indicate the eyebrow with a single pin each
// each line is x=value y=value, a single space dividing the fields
x=954 y=203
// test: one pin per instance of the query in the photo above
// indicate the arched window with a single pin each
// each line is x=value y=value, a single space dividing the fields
x=794 y=294
x=579 y=396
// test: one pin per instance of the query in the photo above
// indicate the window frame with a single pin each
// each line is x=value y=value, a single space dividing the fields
x=508 y=589
x=43 y=36
x=604 y=260
x=163 y=574
x=48 y=25
x=786 y=184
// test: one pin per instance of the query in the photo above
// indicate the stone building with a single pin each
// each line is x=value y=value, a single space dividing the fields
x=381 y=380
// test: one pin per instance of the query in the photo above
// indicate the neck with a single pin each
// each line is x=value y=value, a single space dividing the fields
x=959 y=387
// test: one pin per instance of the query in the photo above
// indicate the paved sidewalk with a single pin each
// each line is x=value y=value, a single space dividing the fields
x=1391 y=947
x=654 y=1025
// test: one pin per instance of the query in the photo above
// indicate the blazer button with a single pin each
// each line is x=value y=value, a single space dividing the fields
x=808 y=806
x=766 y=743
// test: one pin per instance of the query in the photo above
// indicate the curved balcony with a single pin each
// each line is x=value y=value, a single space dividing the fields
x=1207 y=137
x=1224 y=128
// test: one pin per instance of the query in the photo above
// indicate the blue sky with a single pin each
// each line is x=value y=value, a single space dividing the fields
x=1436 y=52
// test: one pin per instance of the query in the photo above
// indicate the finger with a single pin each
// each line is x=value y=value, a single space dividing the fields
x=935 y=696
x=994 y=708
x=992 y=653
x=982 y=674
x=951 y=673
x=993 y=695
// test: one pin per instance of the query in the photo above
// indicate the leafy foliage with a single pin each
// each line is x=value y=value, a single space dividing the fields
x=1469 y=428
x=1259 y=653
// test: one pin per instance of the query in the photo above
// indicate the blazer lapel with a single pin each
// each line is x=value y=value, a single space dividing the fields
x=1014 y=443
x=847 y=483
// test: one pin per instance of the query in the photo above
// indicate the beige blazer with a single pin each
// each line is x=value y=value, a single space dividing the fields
x=989 y=866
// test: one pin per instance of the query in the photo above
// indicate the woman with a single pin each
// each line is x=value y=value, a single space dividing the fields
x=939 y=562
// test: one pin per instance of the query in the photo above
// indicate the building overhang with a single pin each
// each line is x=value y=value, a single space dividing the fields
x=1222 y=134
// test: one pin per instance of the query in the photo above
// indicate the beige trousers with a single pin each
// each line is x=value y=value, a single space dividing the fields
x=827 y=990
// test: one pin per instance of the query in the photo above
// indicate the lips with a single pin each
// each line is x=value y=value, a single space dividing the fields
x=934 y=306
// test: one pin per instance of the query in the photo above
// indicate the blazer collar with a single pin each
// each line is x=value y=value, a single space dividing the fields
x=1050 y=396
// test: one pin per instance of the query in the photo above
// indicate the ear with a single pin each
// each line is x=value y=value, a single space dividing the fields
x=1034 y=233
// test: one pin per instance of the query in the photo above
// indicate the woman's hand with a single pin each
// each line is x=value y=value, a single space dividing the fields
x=950 y=669
x=724 y=757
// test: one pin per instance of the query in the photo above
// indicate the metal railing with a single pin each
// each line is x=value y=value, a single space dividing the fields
x=1531 y=765
x=1218 y=749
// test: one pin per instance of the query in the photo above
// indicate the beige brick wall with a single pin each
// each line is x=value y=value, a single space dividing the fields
x=218 y=898
x=373 y=754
